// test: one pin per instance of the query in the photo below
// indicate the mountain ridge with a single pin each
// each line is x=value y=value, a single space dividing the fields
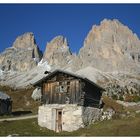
x=110 y=47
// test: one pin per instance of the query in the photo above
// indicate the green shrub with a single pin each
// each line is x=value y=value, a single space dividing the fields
x=121 y=98
x=136 y=98
x=114 y=97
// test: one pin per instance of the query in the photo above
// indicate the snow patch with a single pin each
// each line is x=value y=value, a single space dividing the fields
x=36 y=59
x=40 y=63
x=29 y=48
x=44 y=64
x=1 y=72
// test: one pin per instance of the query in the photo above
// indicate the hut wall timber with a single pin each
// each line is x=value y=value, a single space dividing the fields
x=61 y=89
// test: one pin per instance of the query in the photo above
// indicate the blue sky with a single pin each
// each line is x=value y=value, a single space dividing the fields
x=70 y=20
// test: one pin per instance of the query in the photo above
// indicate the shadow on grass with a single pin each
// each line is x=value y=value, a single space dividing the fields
x=18 y=113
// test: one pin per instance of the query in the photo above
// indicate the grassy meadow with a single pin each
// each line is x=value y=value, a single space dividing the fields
x=116 y=127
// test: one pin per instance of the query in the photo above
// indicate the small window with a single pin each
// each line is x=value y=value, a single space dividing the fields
x=61 y=88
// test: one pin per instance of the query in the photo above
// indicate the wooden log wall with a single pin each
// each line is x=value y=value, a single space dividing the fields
x=63 y=88
x=52 y=94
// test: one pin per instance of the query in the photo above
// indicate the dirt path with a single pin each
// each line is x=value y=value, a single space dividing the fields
x=19 y=118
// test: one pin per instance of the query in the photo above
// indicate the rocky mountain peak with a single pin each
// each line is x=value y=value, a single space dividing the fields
x=111 y=46
x=59 y=41
x=25 y=41
x=110 y=30
x=22 y=56
x=109 y=21
x=57 y=52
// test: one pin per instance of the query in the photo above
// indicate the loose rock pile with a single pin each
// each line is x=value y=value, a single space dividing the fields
x=118 y=92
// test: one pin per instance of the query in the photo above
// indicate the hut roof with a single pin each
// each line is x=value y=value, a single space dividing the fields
x=80 y=76
x=4 y=96
x=90 y=73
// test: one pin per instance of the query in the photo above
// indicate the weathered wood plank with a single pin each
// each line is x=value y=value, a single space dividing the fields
x=55 y=95
x=43 y=90
x=46 y=88
x=72 y=87
x=48 y=92
x=51 y=88
x=63 y=98
x=59 y=98
x=71 y=97
x=80 y=92
x=77 y=90
x=73 y=91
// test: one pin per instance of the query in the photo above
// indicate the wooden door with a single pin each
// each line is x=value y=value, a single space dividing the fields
x=58 y=120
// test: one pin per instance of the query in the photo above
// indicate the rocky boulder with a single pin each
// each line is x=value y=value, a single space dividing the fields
x=22 y=56
x=36 y=95
x=107 y=114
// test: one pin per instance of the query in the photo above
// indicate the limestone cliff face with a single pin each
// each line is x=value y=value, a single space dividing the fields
x=57 y=52
x=111 y=46
x=22 y=56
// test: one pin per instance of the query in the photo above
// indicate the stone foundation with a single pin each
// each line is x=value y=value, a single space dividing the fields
x=73 y=116
x=90 y=115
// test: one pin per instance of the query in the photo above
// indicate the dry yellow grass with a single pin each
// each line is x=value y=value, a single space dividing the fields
x=109 y=102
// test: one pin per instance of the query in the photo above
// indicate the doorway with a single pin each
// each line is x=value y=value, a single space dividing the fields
x=58 y=120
